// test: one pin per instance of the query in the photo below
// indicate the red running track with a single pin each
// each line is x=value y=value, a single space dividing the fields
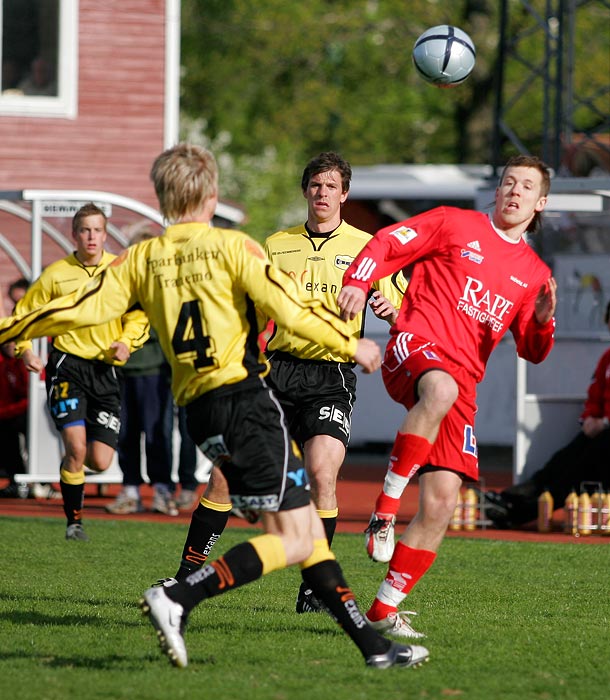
x=356 y=492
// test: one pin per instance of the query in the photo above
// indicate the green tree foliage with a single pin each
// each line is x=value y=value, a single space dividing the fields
x=322 y=74
x=270 y=84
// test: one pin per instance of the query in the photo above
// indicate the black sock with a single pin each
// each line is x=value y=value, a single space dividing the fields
x=327 y=582
x=73 y=495
x=330 y=525
x=240 y=565
x=206 y=527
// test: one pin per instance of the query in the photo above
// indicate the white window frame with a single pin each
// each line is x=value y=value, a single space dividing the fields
x=65 y=104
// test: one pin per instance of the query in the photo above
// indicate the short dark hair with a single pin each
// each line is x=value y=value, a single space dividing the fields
x=525 y=161
x=323 y=163
x=89 y=209
x=21 y=283
x=607 y=314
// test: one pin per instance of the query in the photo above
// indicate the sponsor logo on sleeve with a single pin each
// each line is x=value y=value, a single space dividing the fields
x=405 y=235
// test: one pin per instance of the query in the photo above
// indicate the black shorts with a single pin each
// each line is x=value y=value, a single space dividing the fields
x=244 y=433
x=84 y=392
x=318 y=397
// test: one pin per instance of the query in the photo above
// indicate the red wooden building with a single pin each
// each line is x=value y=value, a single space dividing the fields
x=106 y=118
x=89 y=96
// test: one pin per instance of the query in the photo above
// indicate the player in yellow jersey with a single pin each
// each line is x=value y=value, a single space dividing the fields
x=199 y=286
x=316 y=387
x=83 y=388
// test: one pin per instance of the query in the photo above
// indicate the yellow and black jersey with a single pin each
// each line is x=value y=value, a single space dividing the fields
x=200 y=287
x=65 y=276
x=317 y=262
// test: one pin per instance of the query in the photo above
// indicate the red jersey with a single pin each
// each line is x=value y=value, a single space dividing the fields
x=469 y=284
x=14 y=382
x=597 y=404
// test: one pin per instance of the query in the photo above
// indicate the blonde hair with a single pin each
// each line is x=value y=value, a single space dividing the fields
x=185 y=177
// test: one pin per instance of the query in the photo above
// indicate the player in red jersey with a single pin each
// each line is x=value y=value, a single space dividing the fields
x=473 y=277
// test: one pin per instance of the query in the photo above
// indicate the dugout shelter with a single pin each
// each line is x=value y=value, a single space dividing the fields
x=45 y=216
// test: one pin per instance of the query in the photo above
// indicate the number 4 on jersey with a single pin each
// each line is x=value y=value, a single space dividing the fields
x=189 y=336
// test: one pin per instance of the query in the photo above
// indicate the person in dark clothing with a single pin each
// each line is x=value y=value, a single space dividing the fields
x=585 y=458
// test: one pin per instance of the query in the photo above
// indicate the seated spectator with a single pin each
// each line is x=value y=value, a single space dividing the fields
x=17 y=290
x=17 y=427
x=14 y=382
x=585 y=458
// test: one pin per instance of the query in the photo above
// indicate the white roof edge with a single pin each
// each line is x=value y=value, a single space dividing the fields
x=418 y=181
x=226 y=211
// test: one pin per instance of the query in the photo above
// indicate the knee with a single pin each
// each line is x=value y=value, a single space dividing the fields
x=97 y=465
x=74 y=457
x=446 y=391
x=440 y=394
x=323 y=479
x=439 y=507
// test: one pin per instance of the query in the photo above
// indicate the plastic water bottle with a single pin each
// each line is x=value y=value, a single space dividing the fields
x=584 y=514
x=604 y=521
x=571 y=513
x=470 y=509
x=596 y=511
x=545 y=511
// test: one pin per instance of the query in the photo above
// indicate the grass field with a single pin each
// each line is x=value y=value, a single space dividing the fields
x=504 y=620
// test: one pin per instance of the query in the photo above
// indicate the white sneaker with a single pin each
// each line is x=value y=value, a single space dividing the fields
x=379 y=537
x=400 y=655
x=163 y=502
x=46 y=491
x=169 y=620
x=125 y=504
x=187 y=499
x=397 y=624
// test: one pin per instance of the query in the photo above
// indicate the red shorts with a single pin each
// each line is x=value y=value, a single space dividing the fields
x=407 y=358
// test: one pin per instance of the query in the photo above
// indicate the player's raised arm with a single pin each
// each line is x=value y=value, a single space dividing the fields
x=87 y=306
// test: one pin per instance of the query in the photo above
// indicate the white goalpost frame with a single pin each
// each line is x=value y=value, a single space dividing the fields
x=44 y=445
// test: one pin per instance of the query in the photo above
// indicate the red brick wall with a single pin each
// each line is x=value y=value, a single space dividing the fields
x=119 y=125
x=118 y=129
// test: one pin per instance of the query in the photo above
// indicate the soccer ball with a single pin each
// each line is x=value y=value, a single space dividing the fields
x=444 y=55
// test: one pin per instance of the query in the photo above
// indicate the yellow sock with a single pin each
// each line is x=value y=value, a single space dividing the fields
x=74 y=478
x=321 y=552
x=270 y=550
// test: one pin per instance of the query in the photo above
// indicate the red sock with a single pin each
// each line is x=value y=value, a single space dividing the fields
x=406 y=568
x=408 y=454
x=411 y=563
x=386 y=505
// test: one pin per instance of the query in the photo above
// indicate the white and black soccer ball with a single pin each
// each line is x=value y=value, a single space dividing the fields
x=444 y=55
